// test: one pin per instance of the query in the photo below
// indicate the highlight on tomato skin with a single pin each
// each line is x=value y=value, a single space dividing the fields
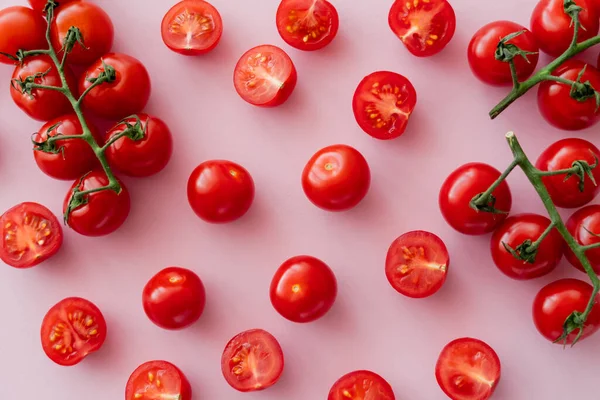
x=361 y=385
x=158 y=380
x=307 y=24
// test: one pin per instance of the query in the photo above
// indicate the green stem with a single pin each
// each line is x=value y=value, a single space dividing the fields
x=534 y=246
x=89 y=89
x=571 y=170
x=484 y=198
x=591 y=247
x=46 y=87
x=513 y=73
x=559 y=79
x=114 y=139
x=64 y=137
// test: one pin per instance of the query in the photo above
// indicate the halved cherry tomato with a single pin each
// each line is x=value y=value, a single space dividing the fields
x=417 y=264
x=383 y=103
x=71 y=330
x=307 y=24
x=40 y=5
x=424 y=26
x=31 y=234
x=192 y=27
x=361 y=385
x=265 y=76
x=468 y=369
x=20 y=29
x=584 y=226
x=252 y=361
x=154 y=380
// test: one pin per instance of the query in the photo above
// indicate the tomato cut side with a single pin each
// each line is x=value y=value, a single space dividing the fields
x=361 y=385
x=307 y=24
x=158 y=380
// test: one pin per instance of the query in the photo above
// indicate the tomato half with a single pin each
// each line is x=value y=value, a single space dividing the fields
x=561 y=155
x=424 y=26
x=468 y=369
x=20 y=29
x=361 y=385
x=303 y=289
x=31 y=234
x=40 y=5
x=336 y=178
x=72 y=329
x=461 y=187
x=383 y=103
x=417 y=264
x=192 y=27
x=307 y=24
x=252 y=361
x=265 y=76
x=584 y=226
x=154 y=380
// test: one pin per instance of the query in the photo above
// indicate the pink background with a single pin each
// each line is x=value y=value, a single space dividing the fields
x=370 y=326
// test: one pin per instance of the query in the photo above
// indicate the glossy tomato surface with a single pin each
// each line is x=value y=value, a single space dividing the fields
x=307 y=24
x=584 y=226
x=155 y=380
x=361 y=385
x=20 y=29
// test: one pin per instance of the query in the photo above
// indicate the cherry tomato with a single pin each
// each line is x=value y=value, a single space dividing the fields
x=265 y=76
x=425 y=27
x=417 y=264
x=468 y=369
x=104 y=212
x=40 y=5
x=557 y=301
x=361 y=385
x=174 y=298
x=220 y=191
x=383 y=103
x=584 y=226
x=252 y=361
x=307 y=24
x=41 y=104
x=553 y=28
x=461 y=187
x=482 y=53
x=144 y=157
x=128 y=94
x=192 y=27
x=559 y=108
x=96 y=29
x=20 y=29
x=71 y=330
x=596 y=4
x=303 y=289
x=31 y=234
x=336 y=178
x=158 y=380
x=561 y=155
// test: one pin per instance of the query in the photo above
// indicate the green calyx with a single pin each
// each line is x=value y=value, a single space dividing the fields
x=108 y=74
x=571 y=8
x=50 y=4
x=73 y=37
x=482 y=203
x=77 y=199
x=574 y=322
x=581 y=170
x=136 y=131
x=526 y=251
x=506 y=52
x=26 y=86
x=583 y=91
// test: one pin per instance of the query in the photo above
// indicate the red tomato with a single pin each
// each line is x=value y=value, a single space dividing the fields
x=303 y=289
x=596 y=4
x=41 y=105
x=482 y=53
x=252 y=361
x=307 y=24
x=104 y=212
x=461 y=187
x=361 y=385
x=158 y=380
x=336 y=178
x=144 y=157
x=559 y=108
x=128 y=94
x=553 y=28
x=584 y=226
x=220 y=191
x=425 y=27
x=557 y=301
x=40 y=5
x=513 y=232
x=20 y=29
x=96 y=29
x=71 y=330
x=468 y=369
x=417 y=264
x=383 y=103
x=174 y=298
x=31 y=234
x=192 y=27
x=265 y=76
x=561 y=155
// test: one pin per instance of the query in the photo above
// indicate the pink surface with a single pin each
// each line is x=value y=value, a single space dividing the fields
x=370 y=326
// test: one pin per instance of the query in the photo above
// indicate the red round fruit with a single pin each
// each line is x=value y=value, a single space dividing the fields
x=21 y=28
x=303 y=289
x=584 y=226
x=363 y=385
x=158 y=380
x=40 y=5
x=252 y=361
x=307 y=24
x=31 y=234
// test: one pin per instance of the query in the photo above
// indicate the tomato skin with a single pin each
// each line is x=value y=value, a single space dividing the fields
x=173 y=383
x=366 y=384
x=40 y=5
x=174 y=298
x=336 y=178
x=461 y=187
x=482 y=49
x=303 y=289
x=21 y=28
x=553 y=28
x=561 y=155
x=290 y=17
x=581 y=223
x=556 y=301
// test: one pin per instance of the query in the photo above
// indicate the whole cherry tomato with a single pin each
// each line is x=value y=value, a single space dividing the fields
x=40 y=5
x=307 y=24
x=361 y=385
x=584 y=226
x=461 y=187
x=158 y=380
x=20 y=29
x=482 y=53
x=568 y=193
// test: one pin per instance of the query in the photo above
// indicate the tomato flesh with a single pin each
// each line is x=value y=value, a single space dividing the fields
x=307 y=24
x=584 y=225
x=158 y=380
x=361 y=385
